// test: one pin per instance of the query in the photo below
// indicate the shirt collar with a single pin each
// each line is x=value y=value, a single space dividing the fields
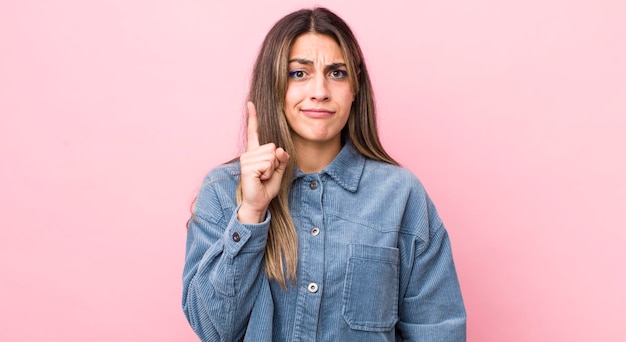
x=346 y=169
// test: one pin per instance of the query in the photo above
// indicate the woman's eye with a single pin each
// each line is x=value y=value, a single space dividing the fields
x=338 y=74
x=297 y=74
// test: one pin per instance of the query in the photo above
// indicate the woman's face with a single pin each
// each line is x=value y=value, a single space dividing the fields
x=319 y=96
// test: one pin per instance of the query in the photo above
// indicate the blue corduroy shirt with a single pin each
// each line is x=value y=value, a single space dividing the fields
x=374 y=264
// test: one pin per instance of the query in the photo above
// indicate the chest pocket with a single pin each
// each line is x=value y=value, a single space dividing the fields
x=370 y=293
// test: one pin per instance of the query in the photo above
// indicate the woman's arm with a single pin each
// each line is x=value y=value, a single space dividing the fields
x=432 y=307
x=223 y=269
x=225 y=246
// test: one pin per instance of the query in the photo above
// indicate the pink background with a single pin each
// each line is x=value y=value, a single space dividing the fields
x=513 y=114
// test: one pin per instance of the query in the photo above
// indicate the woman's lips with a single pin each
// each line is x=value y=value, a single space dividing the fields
x=317 y=112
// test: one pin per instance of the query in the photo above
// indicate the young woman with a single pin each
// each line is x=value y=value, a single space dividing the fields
x=315 y=233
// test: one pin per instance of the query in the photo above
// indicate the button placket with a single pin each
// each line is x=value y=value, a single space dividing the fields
x=310 y=192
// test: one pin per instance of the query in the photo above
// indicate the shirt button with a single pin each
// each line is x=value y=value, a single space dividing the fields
x=236 y=237
x=312 y=287
x=315 y=231
x=313 y=185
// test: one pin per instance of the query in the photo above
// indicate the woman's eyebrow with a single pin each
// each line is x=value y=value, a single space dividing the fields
x=310 y=62
x=301 y=61
x=336 y=65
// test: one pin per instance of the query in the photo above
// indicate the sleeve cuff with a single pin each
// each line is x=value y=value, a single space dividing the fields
x=240 y=237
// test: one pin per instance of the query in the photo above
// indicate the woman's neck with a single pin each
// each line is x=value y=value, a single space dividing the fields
x=315 y=156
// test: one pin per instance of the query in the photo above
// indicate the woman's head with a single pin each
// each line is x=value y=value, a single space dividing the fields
x=270 y=80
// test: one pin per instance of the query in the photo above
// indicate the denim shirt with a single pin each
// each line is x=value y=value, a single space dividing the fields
x=374 y=264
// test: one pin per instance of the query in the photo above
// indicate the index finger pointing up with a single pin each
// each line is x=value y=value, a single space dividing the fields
x=253 y=128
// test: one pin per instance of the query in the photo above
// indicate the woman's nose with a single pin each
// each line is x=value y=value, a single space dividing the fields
x=319 y=88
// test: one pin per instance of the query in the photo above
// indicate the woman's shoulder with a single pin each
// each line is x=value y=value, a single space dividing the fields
x=228 y=171
x=218 y=191
x=222 y=178
x=382 y=171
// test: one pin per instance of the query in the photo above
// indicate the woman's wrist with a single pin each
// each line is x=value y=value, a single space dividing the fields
x=246 y=215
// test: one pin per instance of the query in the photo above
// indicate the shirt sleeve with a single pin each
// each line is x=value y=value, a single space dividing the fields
x=223 y=268
x=432 y=308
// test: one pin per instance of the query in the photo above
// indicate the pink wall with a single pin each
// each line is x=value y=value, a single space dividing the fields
x=512 y=113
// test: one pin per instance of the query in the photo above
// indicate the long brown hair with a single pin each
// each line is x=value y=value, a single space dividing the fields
x=267 y=91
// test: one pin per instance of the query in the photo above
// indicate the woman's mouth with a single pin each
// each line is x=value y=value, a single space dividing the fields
x=317 y=112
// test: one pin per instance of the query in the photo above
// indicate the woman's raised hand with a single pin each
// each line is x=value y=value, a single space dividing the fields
x=262 y=169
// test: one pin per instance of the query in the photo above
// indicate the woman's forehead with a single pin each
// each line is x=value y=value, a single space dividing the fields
x=314 y=47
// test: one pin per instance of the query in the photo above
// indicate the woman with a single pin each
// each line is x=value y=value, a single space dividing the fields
x=315 y=233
